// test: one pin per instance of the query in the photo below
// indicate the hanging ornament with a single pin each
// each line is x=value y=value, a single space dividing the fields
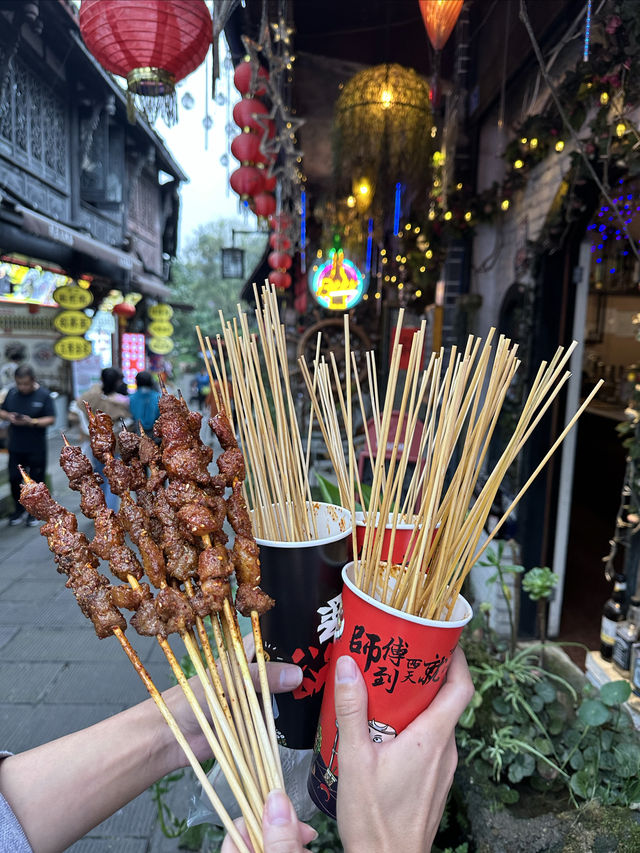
x=152 y=43
x=279 y=242
x=280 y=261
x=264 y=204
x=280 y=222
x=124 y=309
x=246 y=111
x=270 y=183
x=248 y=80
x=440 y=18
x=246 y=148
x=280 y=279
x=247 y=181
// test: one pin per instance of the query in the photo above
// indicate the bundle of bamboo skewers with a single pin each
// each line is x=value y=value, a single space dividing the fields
x=458 y=402
x=242 y=737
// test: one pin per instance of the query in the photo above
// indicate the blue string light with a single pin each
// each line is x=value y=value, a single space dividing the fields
x=303 y=231
x=396 y=212
x=369 y=248
x=587 y=33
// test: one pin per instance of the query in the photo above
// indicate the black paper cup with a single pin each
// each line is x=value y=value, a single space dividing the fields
x=305 y=580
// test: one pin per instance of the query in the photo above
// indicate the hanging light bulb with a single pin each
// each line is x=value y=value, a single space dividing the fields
x=188 y=101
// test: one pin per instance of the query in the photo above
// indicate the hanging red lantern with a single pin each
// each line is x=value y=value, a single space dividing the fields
x=264 y=204
x=279 y=260
x=245 y=112
x=152 y=43
x=247 y=181
x=440 y=18
x=124 y=309
x=279 y=242
x=280 y=222
x=244 y=75
x=246 y=148
x=280 y=279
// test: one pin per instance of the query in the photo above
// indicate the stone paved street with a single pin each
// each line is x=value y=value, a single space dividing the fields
x=56 y=676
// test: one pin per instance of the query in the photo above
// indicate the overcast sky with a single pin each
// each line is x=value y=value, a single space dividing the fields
x=207 y=196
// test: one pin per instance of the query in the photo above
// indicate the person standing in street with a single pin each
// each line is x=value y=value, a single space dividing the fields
x=144 y=403
x=29 y=409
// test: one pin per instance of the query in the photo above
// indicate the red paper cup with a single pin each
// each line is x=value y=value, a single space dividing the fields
x=400 y=551
x=404 y=660
x=305 y=578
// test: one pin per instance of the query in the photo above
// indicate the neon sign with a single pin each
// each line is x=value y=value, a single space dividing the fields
x=338 y=284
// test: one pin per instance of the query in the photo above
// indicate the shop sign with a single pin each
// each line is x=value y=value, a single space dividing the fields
x=161 y=329
x=72 y=349
x=132 y=356
x=160 y=312
x=337 y=283
x=161 y=346
x=72 y=322
x=73 y=297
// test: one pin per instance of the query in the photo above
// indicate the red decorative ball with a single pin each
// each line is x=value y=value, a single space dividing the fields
x=245 y=112
x=246 y=148
x=246 y=181
x=170 y=35
x=124 y=309
x=280 y=222
x=279 y=261
x=279 y=242
x=280 y=279
x=243 y=75
x=264 y=204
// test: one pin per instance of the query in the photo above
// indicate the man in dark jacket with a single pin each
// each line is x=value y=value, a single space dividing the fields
x=29 y=409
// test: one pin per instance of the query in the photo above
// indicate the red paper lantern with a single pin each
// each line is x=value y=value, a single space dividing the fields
x=243 y=75
x=279 y=242
x=280 y=221
x=244 y=113
x=280 y=279
x=246 y=148
x=247 y=181
x=279 y=261
x=440 y=18
x=152 y=43
x=264 y=204
x=124 y=309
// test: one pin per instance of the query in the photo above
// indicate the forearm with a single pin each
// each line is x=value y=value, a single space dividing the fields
x=44 y=421
x=61 y=790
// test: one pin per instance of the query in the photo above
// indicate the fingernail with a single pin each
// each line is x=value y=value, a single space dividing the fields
x=290 y=677
x=277 y=809
x=345 y=670
x=314 y=836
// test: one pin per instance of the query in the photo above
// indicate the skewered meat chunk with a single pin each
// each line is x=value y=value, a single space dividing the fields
x=103 y=441
x=75 y=464
x=198 y=519
x=129 y=443
x=128 y=598
x=210 y=597
x=237 y=512
x=38 y=502
x=174 y=610
x=231 y=465
x=95 y=602
x=146 y=621
x=214 y=562
x=250 y=598
x=148 y=451
x=245 y=556
x=135 y=521
x=181 y=557
x=118 y=475
x=220 y=425
x=123 y=563
x=138 y=477
x=108 y=534
x=186 y=463
x=92 y=501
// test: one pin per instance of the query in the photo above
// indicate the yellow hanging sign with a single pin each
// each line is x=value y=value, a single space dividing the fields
x=160 y=312
x=160 y=346
x=161 y=329
x=72 y=322
x=72 y=349
x=72 y=296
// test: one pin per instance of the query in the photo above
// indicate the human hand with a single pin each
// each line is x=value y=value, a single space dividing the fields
x=282 y=678
x=282 y=832
x=391 y=795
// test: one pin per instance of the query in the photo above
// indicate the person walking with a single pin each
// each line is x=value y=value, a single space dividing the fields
x=29 y=409
x=144 y=402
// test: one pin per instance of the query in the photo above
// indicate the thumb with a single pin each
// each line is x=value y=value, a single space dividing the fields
x=351 y=705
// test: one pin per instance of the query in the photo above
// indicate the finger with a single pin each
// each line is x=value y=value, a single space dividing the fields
x=451 y=700
x=351 y=706
x=280 y=827
x=249 y=646
x=228 y=846
x=282 y=677
x=307 y=833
